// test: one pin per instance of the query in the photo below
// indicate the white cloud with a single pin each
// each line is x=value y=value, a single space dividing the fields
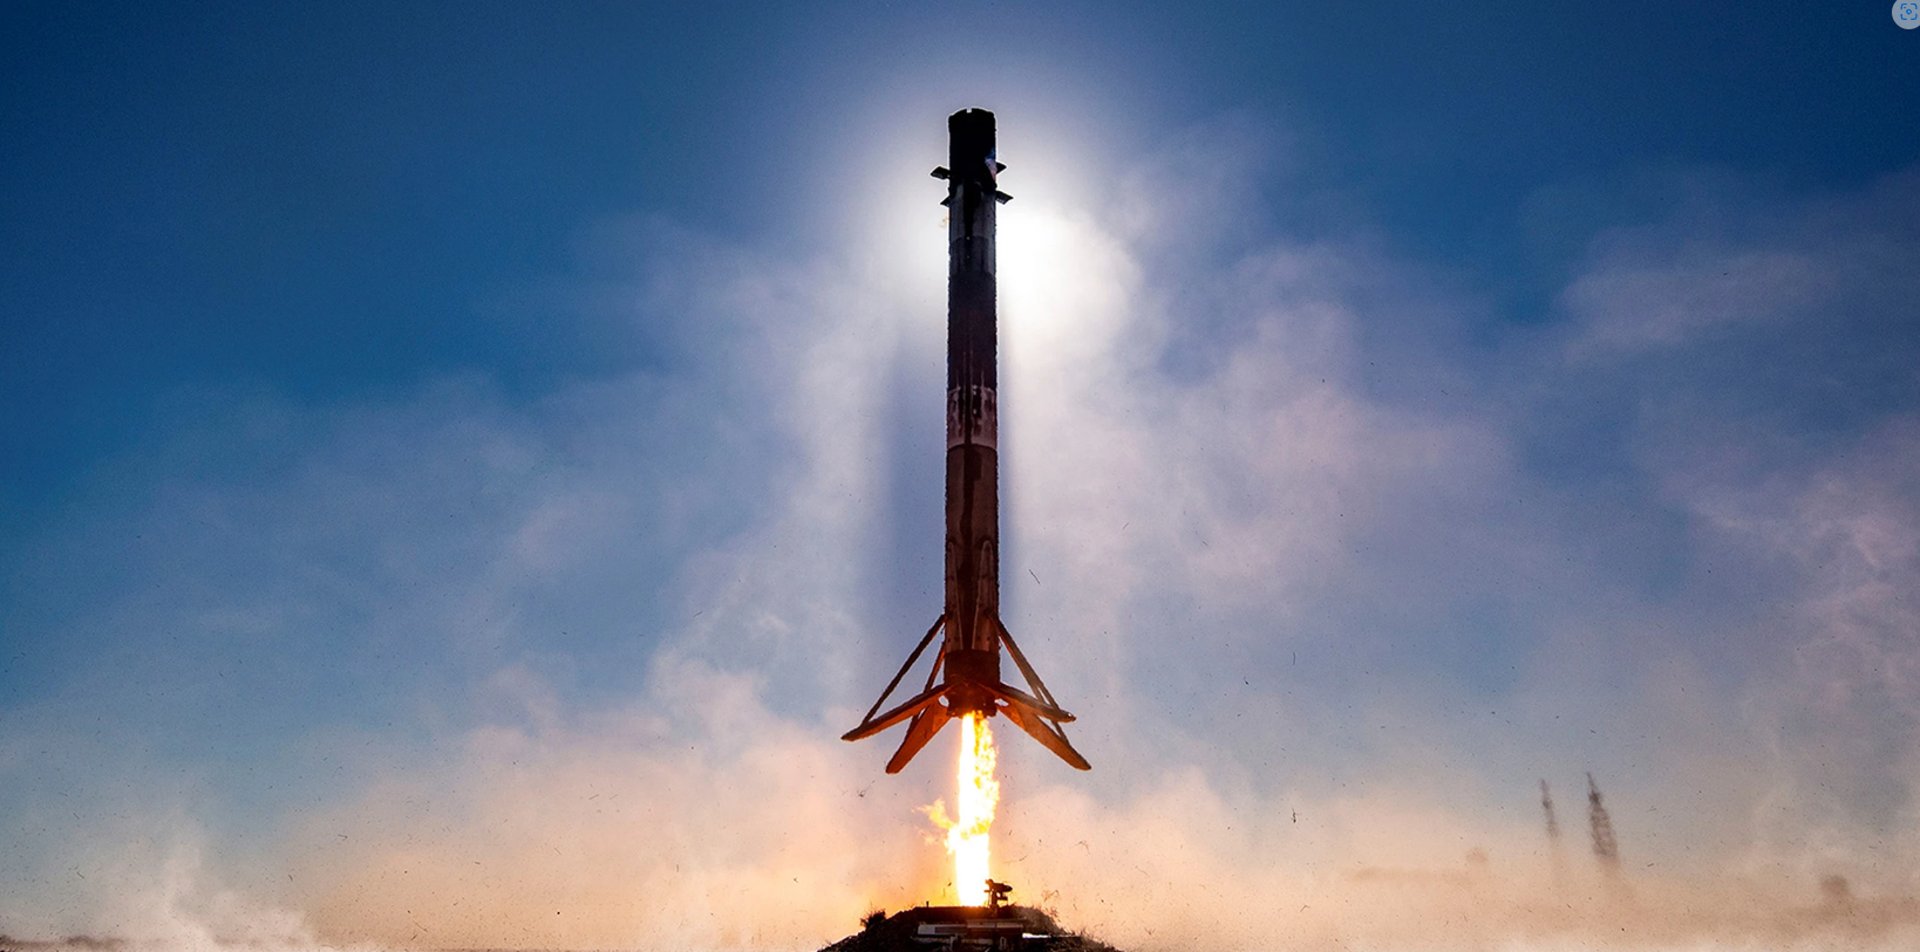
x=1635 y=305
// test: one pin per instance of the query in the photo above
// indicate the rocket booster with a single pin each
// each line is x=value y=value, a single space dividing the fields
x=965 y=677
x=973 y=408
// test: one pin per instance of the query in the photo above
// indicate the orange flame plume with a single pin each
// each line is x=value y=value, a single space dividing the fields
x=967 y=831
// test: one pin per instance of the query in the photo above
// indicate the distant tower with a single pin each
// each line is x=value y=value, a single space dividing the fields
x=1553 y=822
x=1605 y=849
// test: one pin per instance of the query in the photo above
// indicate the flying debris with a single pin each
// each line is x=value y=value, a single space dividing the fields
x=965 y=677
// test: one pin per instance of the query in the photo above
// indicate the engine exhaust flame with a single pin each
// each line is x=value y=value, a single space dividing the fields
x=967 y=831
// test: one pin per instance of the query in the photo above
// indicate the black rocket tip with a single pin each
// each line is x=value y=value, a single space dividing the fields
x=970 y=144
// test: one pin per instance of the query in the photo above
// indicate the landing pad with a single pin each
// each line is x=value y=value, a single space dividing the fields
x=926 y=928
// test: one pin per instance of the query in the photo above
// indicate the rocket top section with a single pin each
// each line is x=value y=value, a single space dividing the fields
x=972 y=407
x=971 y=194
x=970 y=148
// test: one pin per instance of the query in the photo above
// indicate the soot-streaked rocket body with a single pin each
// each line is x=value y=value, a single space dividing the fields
x=965 y=678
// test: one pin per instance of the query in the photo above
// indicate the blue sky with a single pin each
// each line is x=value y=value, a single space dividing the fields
x=412 y=416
